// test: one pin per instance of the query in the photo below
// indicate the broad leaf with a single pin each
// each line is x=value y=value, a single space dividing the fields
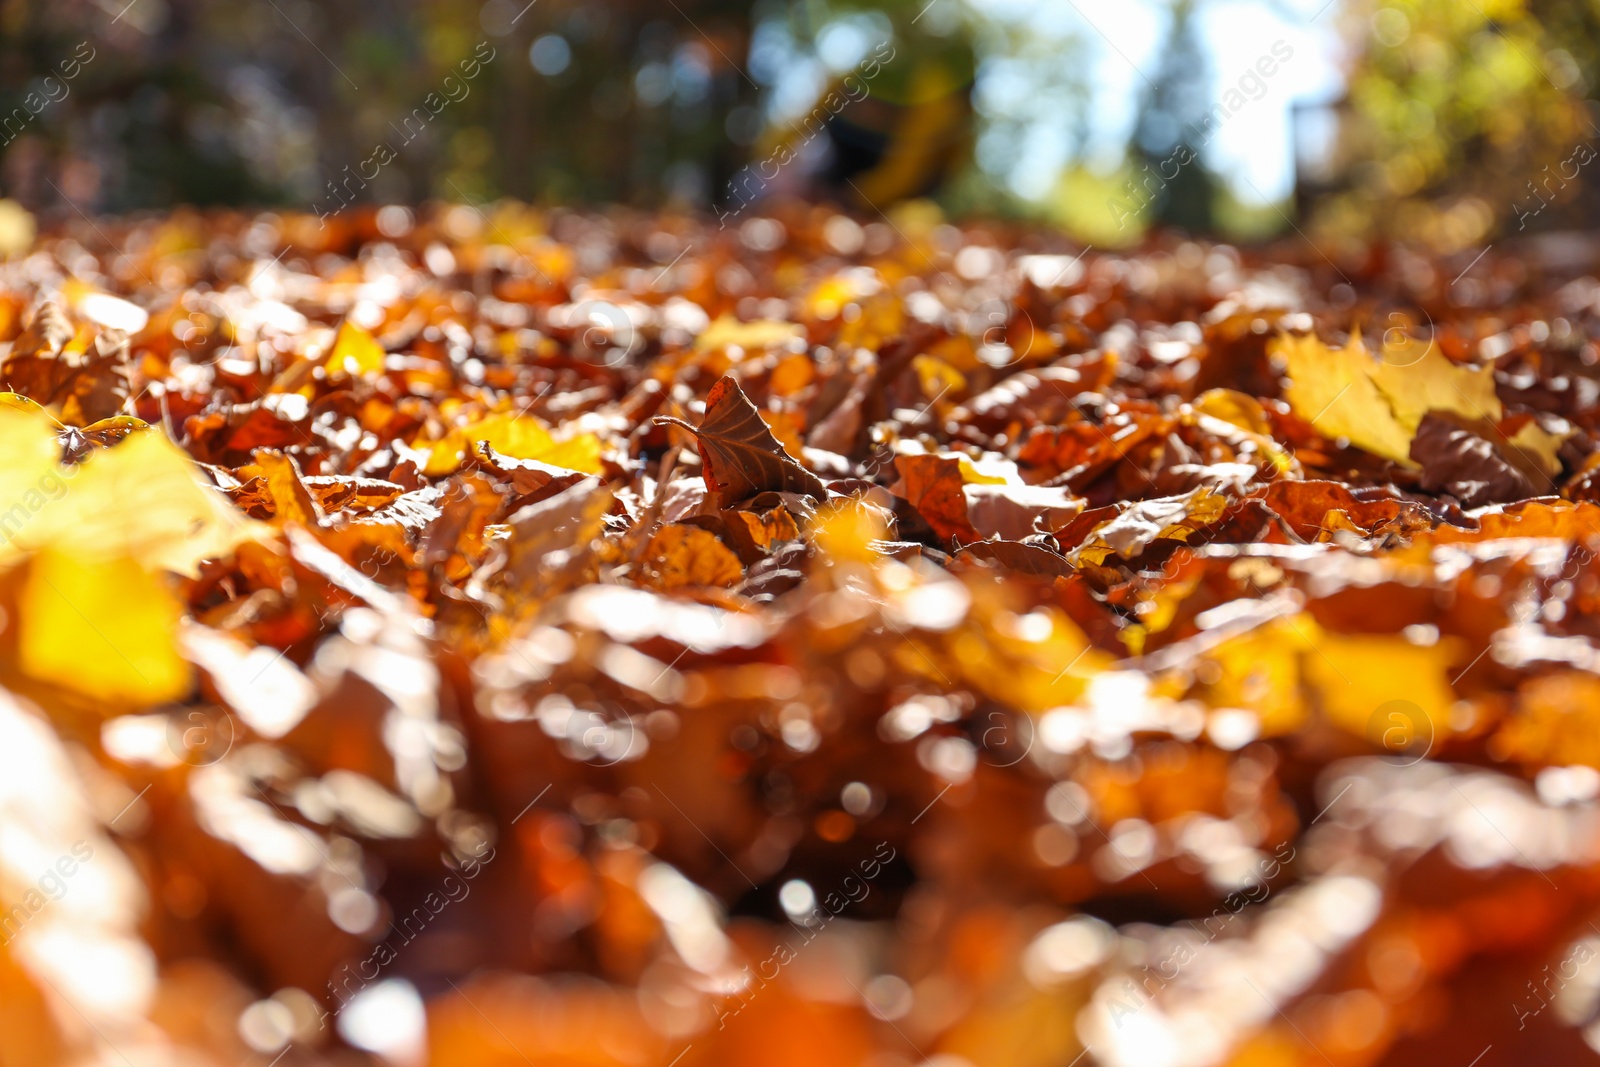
x=741 y=457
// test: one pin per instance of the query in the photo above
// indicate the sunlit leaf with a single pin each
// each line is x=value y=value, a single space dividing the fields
x=516 y=436
x=142 y=500
x=356 y=353
x=105 y=628
x=1375 y=403
x=741 y=457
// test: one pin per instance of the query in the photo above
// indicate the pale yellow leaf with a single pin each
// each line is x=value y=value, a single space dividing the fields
x=729 y=332
x=1378 y=403
x=30 y=482
x=1415 y=386
x=1334 y=391
x=516 y=436
x=142 y=500
x=1540 y=447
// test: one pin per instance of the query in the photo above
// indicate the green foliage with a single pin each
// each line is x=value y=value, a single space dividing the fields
x=1455 y=109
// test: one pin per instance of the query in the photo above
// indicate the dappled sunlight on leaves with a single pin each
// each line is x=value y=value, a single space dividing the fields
x=562 y=653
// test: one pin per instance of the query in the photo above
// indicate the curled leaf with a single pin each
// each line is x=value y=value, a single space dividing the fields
x=741 y=457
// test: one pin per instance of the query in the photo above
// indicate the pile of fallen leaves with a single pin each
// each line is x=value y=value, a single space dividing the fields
x=540 y=638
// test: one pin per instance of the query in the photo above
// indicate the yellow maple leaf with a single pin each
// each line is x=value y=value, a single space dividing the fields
x=516 y=436
x=355 y=352
x=1379 y=403
x=29 y=480
x=103 y=627
x=142 y=500
x=1415 y=386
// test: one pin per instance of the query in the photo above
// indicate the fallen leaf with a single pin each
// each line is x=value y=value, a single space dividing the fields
x=1458 y=461
x=752 y=337
x=292 y=500
x=142 y=500
x=1019 y=558
x=761 y=532
x=681 y=555
x=528 y=476
x=105 y=628
x=356 y=353
x=516 y=436
x=548 y=541
x=1377 y=404
x=740 y=455
x=1531 y=445
x=30 y=480
x=935 y=487
x=1305 y=506
x=1140 y=524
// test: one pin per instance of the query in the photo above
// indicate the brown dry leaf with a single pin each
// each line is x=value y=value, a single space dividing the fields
x=761 y=532
x=336 y=492
x=740 y=456
x=1456 y=460
x=528 y=476
x=549 y=541
x=1019 y=558
x=1013 y=511
x=1305 y=506
x=47 y=332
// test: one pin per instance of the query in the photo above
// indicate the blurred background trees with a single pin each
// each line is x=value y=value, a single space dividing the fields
x=1463 y=118
x=1428 y=120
